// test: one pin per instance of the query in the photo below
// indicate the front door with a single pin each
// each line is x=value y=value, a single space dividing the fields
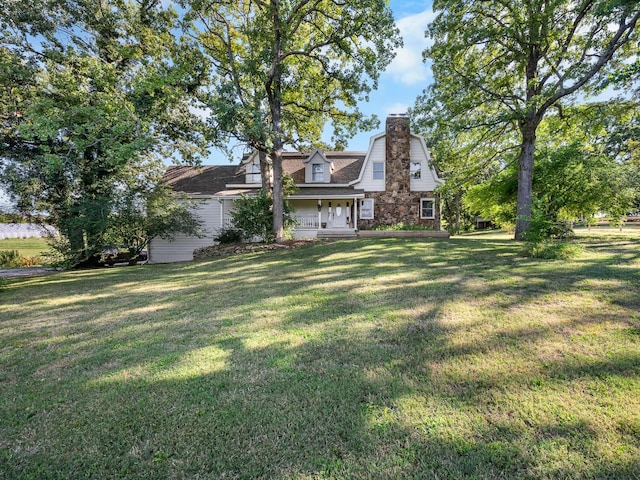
x=339 y=215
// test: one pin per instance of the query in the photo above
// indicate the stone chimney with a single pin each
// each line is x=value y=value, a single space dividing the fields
x=398 y=152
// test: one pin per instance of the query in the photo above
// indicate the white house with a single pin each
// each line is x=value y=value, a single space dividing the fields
x=339 y=193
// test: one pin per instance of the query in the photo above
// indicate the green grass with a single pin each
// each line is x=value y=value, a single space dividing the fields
x=27 y=247
x=366 y=359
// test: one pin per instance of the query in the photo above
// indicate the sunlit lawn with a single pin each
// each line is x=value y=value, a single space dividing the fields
x=369 y=359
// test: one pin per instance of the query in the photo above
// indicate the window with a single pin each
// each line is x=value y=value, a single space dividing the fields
x=255 y=173
x=366 y=209
x=416 y=170
x=317 y=172
x=378 y=171
x=427 y=208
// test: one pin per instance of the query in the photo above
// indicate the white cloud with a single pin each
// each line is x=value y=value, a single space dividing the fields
x=407 y=68
x=397 y=107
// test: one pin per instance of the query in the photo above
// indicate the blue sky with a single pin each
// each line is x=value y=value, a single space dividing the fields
x=407 y=76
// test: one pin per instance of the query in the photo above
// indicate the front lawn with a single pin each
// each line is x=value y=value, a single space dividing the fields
x=386 y=358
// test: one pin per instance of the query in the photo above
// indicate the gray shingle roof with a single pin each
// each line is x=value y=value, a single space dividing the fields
x=204 y=180
x=211 y=179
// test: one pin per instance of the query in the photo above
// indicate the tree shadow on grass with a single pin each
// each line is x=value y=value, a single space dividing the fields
x=361 y=376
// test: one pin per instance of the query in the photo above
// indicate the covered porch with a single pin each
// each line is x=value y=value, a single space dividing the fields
x=326 y=212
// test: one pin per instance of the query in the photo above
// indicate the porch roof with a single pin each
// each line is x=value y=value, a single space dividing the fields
x=328 y=193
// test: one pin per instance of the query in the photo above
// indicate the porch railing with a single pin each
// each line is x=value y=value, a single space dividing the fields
x=306 y=221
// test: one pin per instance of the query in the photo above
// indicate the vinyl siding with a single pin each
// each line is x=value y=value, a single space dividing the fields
x=377 y=154
x=182 y=246
x=427 y=182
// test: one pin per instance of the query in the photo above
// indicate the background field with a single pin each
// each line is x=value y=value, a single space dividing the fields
x=28 y=247
x=354 y=359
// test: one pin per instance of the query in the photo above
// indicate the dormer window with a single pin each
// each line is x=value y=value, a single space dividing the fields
x=255 y=173
x=317 y=172
x=317 y=168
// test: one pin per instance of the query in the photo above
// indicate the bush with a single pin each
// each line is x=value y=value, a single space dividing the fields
x=402 y=226
x=229 y=235
x=13 y=259
x=10 y=259
x=253 y=217
x=553 y=250
x=545 y=225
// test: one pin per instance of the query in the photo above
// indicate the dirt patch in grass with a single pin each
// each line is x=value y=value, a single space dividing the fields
x=224 y=250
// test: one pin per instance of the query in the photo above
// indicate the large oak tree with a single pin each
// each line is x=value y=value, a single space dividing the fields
x=500 y=66
x=93 y=94
x=284 y=68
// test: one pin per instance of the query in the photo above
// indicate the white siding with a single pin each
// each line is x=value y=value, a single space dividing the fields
x=377 y=153
x=427 y=181
x=181 y=247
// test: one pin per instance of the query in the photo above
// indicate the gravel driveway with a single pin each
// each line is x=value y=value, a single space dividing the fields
x=25 y=272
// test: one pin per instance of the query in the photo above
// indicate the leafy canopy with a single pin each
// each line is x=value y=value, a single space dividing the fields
x=284 y=68
x=499 y=67
x=93 y=95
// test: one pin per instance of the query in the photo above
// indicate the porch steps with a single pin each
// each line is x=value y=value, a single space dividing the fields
x=337 y=233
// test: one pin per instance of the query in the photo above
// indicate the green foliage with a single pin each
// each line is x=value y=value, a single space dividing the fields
x=402 y=226
x=583 y=166
x=139 y=216
x=90 y=104
x=13 y=259
x=10 y=259
x=253 y=217
x=544 y=224
x=500 y=67
x=229 y=235
x=553 y=250
x=9 y=217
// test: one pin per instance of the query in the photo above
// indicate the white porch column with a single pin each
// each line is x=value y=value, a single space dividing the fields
x=319 y=214
x=221 y=202
x=355 y=213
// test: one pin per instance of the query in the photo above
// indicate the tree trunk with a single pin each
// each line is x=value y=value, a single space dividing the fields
x=525 y=177
x=458 y=208
x=265 y=172
x=278 y=192
x=274 y=95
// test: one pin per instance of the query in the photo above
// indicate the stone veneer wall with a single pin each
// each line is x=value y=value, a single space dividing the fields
x=398 y=203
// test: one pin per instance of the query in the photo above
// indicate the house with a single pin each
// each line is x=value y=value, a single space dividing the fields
x=339 y=193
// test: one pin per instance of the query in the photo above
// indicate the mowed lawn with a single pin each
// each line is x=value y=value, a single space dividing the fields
x=366 y=359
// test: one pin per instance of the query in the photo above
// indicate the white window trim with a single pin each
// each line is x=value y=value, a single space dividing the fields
x=373 y=171
x=363 y=208
x=433 y=216
x=320 y=172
